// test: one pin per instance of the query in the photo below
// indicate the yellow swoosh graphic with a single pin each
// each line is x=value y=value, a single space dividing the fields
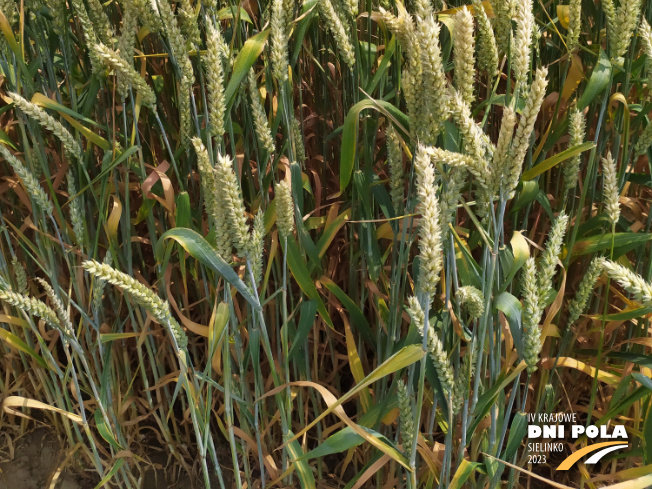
x=571 y=459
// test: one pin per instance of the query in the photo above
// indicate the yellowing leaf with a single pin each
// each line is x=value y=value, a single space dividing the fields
x=355 y=364
x=11 y=402
x=563 y=14
x=603 y=376
x=43 y=101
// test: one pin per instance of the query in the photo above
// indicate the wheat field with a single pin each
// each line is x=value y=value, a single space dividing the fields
x=326 y=243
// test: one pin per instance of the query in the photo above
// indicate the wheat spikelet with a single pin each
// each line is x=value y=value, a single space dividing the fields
x=645 y=33
x=486 y=45
x=214 y=208
x=339 y=32
x=624 y=25
x=351 y=7
x=577 y=127
x=463 y=50
x=231 y=199
x=430 y=260
x=101 y=23
x=215 y=79
x=406 y=416
x=126 y=71
x=279 y=41
x=522 y=40
x=297 y=142
x=284 y=208
x=610 y=193
x=435 y=348
x=89 y=34
x=633 y=283
x=9 y=10
x=30 y=183
x=644 y=141
x=395 y=163
x=472 y=299
x=501 y=159
x=531 y=315
x=188 y=22
x=180 y=54
x=504 y=12
x=147 y=13
x=261 y=126
x=76 y=211
x=19 y=274
x=574 y=23
x=578 y=305
x=50 y=123
x=62 y=315
x=126 y=44
x=31 y=306
x=255 y=248
x=156 y=306
x=550 y=258
x=521 y=141
x=449 y=197
x=461 y=389
x=431 y=98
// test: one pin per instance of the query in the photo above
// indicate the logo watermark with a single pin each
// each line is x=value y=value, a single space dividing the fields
x=547 y=433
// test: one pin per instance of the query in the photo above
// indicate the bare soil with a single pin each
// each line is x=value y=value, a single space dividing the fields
x=36 y=459
x=33 y=461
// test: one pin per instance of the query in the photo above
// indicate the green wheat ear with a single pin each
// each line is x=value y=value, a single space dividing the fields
x=31 y=306
x=472 y=299
x=156 y=306
x=630 y=281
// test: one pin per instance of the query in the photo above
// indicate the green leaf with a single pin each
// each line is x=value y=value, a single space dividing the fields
x=520 y=252
x=5 y=139
x=243 y=62
x=306 y=479
x=105 y=431
x=329 y=233
x=553 y=161
x=487 y=399
x=604 y=242
x=105 y=171
x=624 y=316
x=307 y=319
x=15 y=342
x=231 y=12
x=308 y=13
x=299 y=270
x=357 y=317
x=516 y=435
x=642 y=379
x=117 y=466
x=638 y=394
x=527 y=194
x=341 y=441
x=467 y=267
x=462 y=473
x=597 y=83
x=404 y=357
x=198 y=248
x=647 y=436
x=384 y=64
x=350 y=133
x=511 y=308
x=183 y=218
x=636 y=358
